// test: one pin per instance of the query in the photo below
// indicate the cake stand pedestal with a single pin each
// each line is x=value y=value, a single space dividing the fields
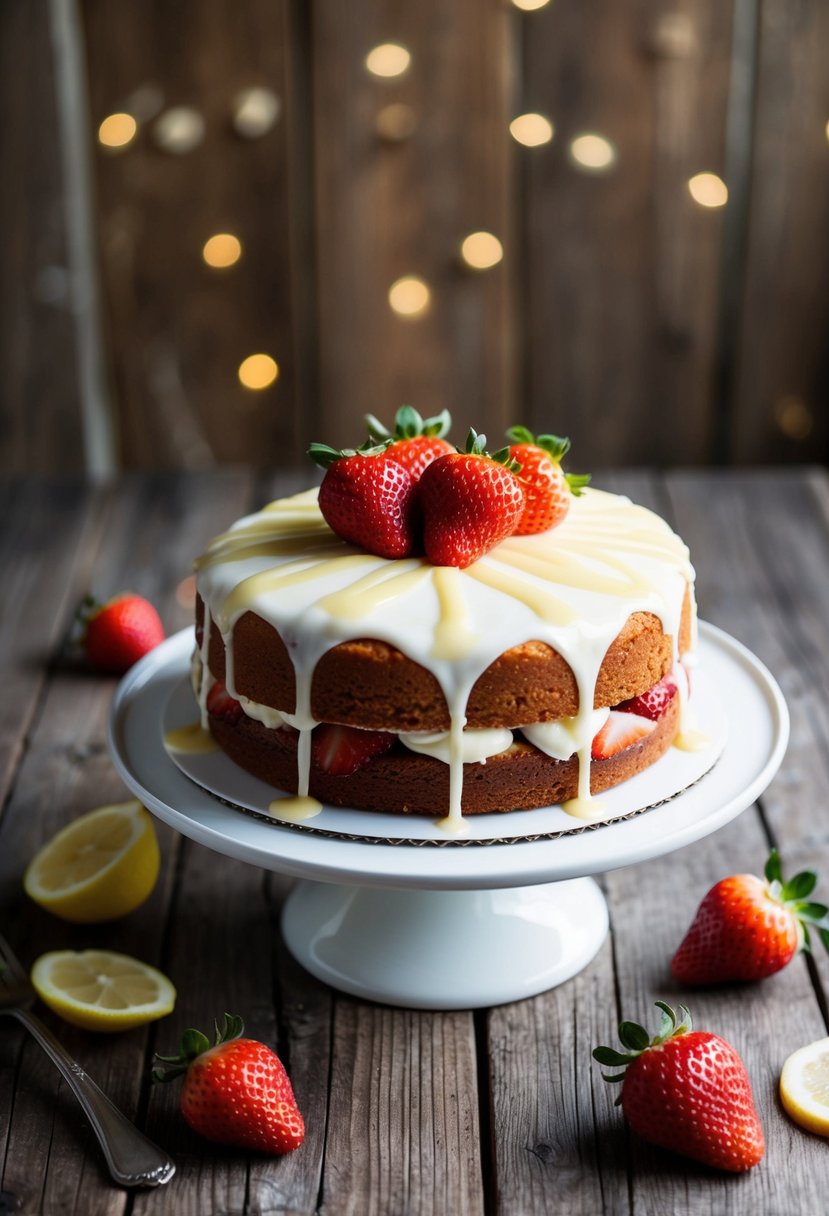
x=445 y=949
x=437 y=924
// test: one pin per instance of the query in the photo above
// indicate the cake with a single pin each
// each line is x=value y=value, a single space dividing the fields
x=547 y=671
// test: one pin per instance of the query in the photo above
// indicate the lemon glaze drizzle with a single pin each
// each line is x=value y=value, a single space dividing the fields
x=572 y=588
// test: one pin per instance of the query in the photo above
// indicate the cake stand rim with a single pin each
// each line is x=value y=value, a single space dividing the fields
x=496 y=866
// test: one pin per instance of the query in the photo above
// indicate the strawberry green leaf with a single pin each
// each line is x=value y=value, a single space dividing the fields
x=613 y=1076
x=634 y=1036
x=611 y=1057
x=437 y=426
x=800 y=886
x=814 y=913
x=520 y=434
x=774 y=870
x=824 y=936
x=577 y=482
x=806 y=942
x=325 y=456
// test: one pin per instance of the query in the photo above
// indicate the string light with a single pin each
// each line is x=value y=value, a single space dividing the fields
x=396 y=122
x=221 y=250
x=255 y=111
x=258 y=371
x=179 y=130
x=708 y=190
x=530 y=6
x=793 y=417
x=592 y=152
x=531 y=130
x=481 y=250
x=388 y=60
x=410 y=296
x=117 y=131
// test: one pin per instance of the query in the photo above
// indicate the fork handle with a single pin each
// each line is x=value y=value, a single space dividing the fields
x=133 y=1160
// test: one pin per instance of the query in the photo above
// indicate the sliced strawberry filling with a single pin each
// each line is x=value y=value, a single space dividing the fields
x=634 y=720
x=222 y=705
x=653 y=703
x=341 y=750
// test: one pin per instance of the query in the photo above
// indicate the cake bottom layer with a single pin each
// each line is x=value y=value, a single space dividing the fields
x=403 y=782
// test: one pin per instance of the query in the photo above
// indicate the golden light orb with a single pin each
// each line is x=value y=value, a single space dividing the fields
x=530 y=6
x=117 y=131
x=592 y=152
x=410 y=296
x=258 y=371
x=221 y=250
x=708 y=190
x=396 y=122
x=531 y=130
x=388 y=60
x=481 y=250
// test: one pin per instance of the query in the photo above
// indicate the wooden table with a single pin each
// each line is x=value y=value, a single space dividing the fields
x=498 y=1111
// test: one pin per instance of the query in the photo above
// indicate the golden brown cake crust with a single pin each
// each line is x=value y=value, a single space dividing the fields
x=369 y=684
x=403 y=782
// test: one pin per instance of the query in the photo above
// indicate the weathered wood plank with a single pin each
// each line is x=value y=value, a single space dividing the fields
x=41 y=416
x=52 y=1163
x=557 y=1143
x=782 y=384
x=403 y=1131
x=177 y=329
x=48 y=528
x=390 y=209
x=621 y=273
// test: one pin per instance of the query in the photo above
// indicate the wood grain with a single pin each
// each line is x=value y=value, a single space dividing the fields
x=386 y=210
x=782 y=372
x=40 y=416
x=177 y=329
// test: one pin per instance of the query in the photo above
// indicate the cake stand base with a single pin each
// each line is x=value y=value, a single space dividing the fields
x=445 y=949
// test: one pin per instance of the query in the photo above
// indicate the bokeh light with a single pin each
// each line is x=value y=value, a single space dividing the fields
x=708 y=190
x=410 y=296
x=258 y=371
x=396 y=122
x=117 y=131
x=481 y=250
x=388 y=60
x=531 y=130
x=530 y=6
x=592 y=152
x=221 y=250
x=179 y=130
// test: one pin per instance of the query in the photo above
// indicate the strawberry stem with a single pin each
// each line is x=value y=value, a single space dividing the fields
x=636 y=1039
x=408 y=424
x=194 y=1044
x=325 y=456
x=792 y=895
x=476 y=446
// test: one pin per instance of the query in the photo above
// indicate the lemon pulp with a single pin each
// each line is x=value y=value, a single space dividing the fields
x=101 y=990
x=804 y=1086
x=100 y=867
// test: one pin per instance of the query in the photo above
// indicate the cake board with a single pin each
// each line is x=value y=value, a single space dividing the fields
x=436 y=923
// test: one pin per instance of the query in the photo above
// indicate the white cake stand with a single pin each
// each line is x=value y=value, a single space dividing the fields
x=432 y=922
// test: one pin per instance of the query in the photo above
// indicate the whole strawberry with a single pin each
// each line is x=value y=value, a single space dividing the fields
x=367 y=498
x=688 y=1091
x=548 y=490
x=236 y=1091
x=414 y=442
x=119 y=632
x=470 y=501
x=747 y=928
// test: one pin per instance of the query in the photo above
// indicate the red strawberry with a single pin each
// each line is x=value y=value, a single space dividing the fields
x=747 y=927
x=470 y=501
x=548 y=490
x=415 y=442
x=119 y=632
x=222 y=705
x=341 y=750
x=621 y=730
x=687 y=1090
x=236 y=1091
x=367 y=498
x=653 y=703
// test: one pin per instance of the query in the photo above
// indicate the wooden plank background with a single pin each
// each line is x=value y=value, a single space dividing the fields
x=651 y=329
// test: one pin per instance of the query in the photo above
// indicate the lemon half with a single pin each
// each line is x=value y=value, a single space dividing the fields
x=100 y=990
x=804 y=1086
x=100 y=867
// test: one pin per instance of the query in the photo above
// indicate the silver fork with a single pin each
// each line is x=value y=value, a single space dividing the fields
x=133 y=1160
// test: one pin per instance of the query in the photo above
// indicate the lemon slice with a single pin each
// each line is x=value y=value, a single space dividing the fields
x=804 y=1086
x=100 y=867
x=100 y=990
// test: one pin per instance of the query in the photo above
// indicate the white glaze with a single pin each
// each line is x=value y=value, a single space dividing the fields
x=476 y=746
x=572 y=587
x=562 y=739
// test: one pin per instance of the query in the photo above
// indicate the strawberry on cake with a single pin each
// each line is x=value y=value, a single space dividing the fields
x=444 y=632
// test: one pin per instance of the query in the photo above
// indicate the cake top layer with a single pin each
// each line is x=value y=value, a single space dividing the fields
x=572 y=587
